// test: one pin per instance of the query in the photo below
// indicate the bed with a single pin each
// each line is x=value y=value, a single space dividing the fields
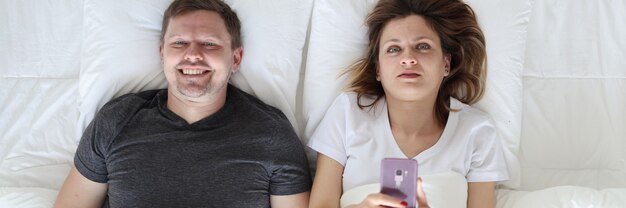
x=556 y=85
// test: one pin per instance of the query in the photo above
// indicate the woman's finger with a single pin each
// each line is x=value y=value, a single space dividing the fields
x=378 y=200
x=421 y=196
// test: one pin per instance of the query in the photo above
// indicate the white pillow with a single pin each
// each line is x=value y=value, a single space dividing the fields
x=504 y=23
x=338 y=38
x=121 y=51
x=274 y=35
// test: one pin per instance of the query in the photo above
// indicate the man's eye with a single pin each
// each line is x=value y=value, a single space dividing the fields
x=423 y=46
x=179 y=43
x=393 y=50
x=209 y=44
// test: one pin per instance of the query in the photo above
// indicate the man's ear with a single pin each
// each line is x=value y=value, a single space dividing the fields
x=161 y=50
x=237 y=57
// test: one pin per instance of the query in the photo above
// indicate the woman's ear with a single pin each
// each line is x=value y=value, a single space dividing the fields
x=446 y=64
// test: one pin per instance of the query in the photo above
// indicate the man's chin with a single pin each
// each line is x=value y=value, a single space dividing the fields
x=193 y=92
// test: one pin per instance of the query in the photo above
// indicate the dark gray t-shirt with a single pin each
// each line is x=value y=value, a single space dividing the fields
x=151 y=157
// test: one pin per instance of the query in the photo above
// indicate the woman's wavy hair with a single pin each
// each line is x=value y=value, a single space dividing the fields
x=460 y=35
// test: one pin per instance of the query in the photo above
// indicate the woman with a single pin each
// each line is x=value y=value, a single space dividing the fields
x=409 y=98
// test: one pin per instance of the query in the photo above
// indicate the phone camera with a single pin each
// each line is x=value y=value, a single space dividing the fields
x=398 y=178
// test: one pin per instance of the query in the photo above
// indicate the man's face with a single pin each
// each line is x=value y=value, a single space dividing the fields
x=197 y=55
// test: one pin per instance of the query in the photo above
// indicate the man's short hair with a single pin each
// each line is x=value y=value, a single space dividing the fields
x=178 y=7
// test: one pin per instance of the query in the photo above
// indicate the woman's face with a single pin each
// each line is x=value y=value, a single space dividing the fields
x=411 y=61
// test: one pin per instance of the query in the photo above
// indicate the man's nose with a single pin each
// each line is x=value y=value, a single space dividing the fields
x=193 y=53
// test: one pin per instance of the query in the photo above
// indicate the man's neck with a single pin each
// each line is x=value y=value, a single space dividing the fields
x=195 y=109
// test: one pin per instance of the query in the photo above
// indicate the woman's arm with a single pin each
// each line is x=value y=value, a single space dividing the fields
x=290 y=201
x=481 y=194
x=327 y=183
x=327 y=188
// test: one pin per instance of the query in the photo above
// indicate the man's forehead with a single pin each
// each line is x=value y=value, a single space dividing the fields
x=202 y=22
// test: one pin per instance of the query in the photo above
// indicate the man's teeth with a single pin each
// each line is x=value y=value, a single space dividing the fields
x=192 y=71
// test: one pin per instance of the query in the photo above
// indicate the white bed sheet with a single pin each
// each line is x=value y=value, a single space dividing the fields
x=556 y=86
x=575 y=96
x=39 y=70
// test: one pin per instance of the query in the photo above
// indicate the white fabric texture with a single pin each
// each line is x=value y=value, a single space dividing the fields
x=27 y=197
x=120 y=53
x=555 y=88
x=274 y=35
x=575 y=96
x=572 y=139
x=39 y=71
x=338 y=39
x=360 y=138
x=563 y=196
x=451 y=183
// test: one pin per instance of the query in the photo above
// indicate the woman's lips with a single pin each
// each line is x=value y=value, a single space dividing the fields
x=409 y=75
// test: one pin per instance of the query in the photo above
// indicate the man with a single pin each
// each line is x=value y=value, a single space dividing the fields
x=201 y=142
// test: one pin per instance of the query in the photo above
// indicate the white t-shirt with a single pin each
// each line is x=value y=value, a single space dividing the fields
x=360 y=138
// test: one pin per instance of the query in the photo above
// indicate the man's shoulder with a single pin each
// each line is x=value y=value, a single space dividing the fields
x=128 y=104
x=255 y=106
x=131 y=100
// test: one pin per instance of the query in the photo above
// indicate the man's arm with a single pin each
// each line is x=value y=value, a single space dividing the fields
x=481 y=194
x=295 y=200
x=78 y=191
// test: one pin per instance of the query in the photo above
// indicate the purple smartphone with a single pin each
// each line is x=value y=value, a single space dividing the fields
x=398 y=178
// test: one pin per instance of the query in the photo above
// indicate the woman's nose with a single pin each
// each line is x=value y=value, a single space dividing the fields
x=408 y=61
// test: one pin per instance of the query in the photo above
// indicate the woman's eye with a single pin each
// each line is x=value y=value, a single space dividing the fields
x=393 y=50
x=423 y=46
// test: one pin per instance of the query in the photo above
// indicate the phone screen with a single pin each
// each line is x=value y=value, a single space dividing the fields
x=398 y=178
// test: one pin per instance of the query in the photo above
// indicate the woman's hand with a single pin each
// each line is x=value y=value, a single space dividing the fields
x=421 y=196
x=380 y=200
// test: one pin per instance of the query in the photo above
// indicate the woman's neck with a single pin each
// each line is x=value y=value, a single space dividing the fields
x=413 y=118
x=414 y=126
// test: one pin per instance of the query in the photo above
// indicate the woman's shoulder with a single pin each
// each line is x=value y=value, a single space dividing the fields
x=471 y=122
x=469 y=114
x=349 y=102
x=345 y=98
